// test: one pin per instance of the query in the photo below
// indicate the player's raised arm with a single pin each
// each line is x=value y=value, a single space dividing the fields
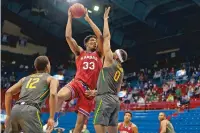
x=106 y=36
x=97 y=32
x=68 y=34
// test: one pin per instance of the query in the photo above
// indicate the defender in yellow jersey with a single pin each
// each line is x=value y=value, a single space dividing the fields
x=108 y=85
x=34 y=90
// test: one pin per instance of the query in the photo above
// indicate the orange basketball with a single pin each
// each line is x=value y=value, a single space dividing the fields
x=77 y=10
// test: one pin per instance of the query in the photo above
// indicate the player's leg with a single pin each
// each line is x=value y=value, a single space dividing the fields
x=112 y=129
x=65 y=93
x=12 y=124
x=100 y=129
x=12 y=127
x=113 y=122
x=84 y=106
x=30 y=121
x=101 y=116
x=79 y=122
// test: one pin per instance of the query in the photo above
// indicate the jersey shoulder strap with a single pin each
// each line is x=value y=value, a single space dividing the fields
x=132 y=124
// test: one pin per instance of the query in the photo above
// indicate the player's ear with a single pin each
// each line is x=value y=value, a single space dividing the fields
x=86 y=44
x=48 y=68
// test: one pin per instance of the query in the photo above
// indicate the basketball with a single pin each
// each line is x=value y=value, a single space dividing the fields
x=77 y=10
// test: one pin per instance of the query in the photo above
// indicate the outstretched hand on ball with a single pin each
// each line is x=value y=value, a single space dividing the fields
x=77 y=10
x=87 y=18
x=69 y=12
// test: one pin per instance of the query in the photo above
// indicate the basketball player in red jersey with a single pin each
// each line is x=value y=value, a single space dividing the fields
x=89 y=64
x=127 y=126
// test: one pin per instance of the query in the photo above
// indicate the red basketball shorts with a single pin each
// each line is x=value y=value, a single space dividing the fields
x=84 y=104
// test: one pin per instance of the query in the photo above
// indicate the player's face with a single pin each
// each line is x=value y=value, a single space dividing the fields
x=127 y=117
x=92 y=44
x=161 y=116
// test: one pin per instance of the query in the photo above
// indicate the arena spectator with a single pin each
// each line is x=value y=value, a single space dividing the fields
x=178 y=93
x=190 y=91
x=183 y=101
x=127 y=100
x=170 y=98
x=141 y=100
x=197 y=92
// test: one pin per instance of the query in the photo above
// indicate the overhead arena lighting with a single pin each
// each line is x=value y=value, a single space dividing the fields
x=168 y=51
x=69 y=1
x=96 y=8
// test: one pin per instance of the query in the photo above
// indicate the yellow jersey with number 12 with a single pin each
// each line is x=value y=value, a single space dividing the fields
x=35 y=89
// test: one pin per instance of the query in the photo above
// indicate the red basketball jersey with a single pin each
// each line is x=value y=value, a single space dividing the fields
x=88 y=65
x=123 y=129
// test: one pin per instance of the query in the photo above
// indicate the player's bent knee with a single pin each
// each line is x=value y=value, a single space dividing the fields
x=64 y=93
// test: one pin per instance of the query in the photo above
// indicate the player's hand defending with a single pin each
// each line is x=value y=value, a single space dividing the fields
x=87 y=18
x=106 y=13
x=50 y=125
x=90 y=93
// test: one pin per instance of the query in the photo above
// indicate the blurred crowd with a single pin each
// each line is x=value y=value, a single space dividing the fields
x=180 y=81
x=163 y=84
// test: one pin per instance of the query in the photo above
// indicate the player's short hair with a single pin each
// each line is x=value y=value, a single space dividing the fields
x=87 y=38
x=128 y=113
x=163 y=114
x=41 y=63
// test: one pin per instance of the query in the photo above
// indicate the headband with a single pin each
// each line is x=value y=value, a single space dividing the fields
x=119 y=55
